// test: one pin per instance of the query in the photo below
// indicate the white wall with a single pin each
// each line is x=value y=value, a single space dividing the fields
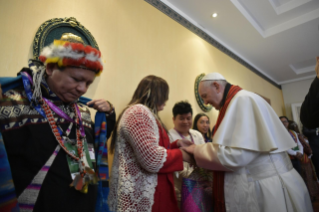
x=295 y=93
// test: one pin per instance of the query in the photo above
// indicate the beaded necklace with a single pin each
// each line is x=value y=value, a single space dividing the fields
x=79 y=138
x=44 y=106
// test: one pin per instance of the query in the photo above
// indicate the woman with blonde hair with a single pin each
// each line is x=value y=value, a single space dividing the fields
x=144 y=159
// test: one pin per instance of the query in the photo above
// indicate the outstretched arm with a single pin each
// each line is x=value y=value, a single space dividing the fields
x=221 y=158
x=140 y=129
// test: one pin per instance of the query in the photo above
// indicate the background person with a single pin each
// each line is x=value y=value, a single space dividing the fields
x=295 y=153
x=307 y=170
x=183 y=119
x=309 y=112
x=202 y=124
x=313 y=138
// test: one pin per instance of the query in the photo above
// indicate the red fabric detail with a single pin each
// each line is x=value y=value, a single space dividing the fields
x=11 y=205
x=76 y=46
x=89 y=49
x=218 y=176
x=174 y=145
x=165 y=196
x=96 y=66
x=42 y=58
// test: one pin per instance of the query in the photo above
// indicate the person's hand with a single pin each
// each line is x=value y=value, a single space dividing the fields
x=101 y=105
x=184 y=143
x=190 y=149
x=188 y=157
x=299 y=155
x=0 y=93
x=317 y=67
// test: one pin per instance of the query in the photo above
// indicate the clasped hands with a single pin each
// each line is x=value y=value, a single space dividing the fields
x=187 y=147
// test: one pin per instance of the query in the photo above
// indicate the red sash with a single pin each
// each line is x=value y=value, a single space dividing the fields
x=218 y=179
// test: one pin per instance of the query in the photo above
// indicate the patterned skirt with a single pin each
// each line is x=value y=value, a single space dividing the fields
x=309 y=175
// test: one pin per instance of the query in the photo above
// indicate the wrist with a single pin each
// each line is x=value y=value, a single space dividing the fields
x=111 y=109
x=178 y=143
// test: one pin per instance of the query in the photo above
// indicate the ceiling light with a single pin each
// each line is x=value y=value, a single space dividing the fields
x=214 y=15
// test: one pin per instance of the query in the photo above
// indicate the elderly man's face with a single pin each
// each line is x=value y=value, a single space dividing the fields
x=211 y=93
x=70 y=83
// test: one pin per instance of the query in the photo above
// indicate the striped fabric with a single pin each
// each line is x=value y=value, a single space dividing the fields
x=29 y=196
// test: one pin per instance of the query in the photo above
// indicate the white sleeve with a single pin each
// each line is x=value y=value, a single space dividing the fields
x=199 y=138
x=299 y=145
x=291 y=152
x=222 y=158
x=202 y=141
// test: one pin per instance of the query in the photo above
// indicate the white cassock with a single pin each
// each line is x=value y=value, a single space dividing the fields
x=250 y=145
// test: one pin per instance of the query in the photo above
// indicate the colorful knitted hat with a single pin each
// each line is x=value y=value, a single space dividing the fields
x=72 y=53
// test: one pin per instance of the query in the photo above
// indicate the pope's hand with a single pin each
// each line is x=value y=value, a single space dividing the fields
x=101 y=105
x=188 y=157
x=317 y=67
x=190 y=149
x=184 y=143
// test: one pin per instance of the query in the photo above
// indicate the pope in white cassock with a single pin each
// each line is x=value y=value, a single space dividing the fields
x=252 y=171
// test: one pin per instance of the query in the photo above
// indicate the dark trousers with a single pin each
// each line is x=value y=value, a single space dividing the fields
x=315 y=162
x=296 y=165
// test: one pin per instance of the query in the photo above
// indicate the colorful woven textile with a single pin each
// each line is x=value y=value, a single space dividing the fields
x=30 y=195
x=8 y=199
x=197 y=191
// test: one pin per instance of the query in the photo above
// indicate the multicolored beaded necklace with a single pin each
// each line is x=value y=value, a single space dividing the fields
x=87 y=175
x=44 y=106
x=58 y=137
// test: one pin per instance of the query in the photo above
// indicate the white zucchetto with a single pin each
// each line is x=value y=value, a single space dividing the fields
x=213 y=77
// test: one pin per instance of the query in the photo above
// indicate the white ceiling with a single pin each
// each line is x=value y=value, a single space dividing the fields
x=280 y=38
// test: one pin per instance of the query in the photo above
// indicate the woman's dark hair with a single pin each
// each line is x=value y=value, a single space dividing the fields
x=208 y=135
x=151 y=92
x=181 y=108
x=293 y=126
x=281 y=117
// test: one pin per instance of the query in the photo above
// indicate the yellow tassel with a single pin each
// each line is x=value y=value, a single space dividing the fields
x=98 y=73
x=85 y=188
x=59 y=42
x=60 y=62
x=52 y=60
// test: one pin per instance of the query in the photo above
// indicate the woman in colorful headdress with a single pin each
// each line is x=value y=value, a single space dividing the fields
x=49 y=136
